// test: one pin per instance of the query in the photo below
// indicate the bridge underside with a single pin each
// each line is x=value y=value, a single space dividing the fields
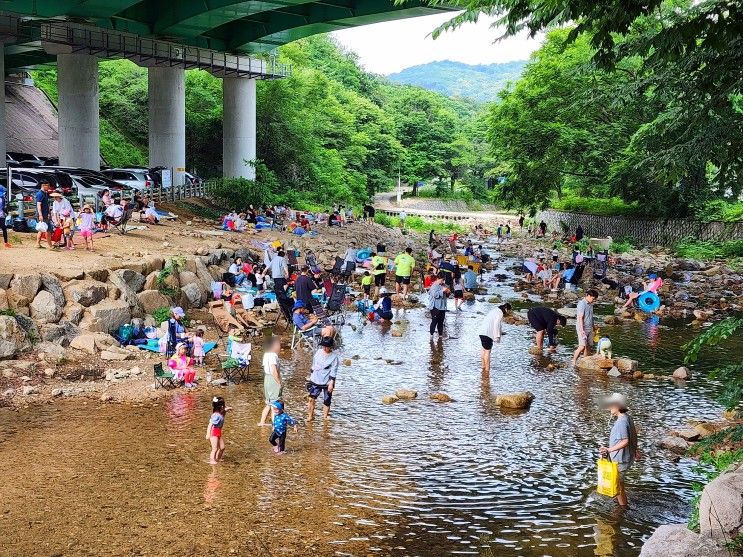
x=239 y=27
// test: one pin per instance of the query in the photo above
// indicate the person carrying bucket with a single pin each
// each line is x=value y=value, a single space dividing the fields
x=622 y=447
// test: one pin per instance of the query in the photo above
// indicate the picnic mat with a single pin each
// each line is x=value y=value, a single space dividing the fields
x=78 y=240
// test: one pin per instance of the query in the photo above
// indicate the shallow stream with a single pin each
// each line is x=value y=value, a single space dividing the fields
x=413 y=478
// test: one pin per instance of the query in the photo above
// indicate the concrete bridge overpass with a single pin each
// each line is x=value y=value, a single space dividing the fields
x=228 y=38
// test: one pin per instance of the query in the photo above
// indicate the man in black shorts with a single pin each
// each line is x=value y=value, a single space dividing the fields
x=544 y=319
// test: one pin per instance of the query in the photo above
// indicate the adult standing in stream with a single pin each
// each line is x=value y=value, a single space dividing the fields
x=584 y=324
x=437 y=296
x=543 y=319
x=622 y=447
x=491 y=331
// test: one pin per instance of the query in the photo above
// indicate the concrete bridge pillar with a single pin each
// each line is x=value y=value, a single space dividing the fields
x=167 y=115
x=238 y=126
x=79 y=132
x=3 y=128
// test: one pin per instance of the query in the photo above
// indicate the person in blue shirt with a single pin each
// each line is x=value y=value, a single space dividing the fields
x=301 y=317
x=470 y=279
x=384 y=305
x=281 y=422
x=42 y=215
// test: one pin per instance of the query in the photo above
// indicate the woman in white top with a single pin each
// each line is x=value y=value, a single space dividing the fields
x=272 y=385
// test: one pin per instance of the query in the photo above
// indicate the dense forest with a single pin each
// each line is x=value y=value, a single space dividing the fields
x=631 y=107
x=635 y=106
x=331 y=132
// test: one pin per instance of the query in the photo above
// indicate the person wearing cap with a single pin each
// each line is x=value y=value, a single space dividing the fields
x=584 y=324
x=87 y=226
x=176 y=329
x=301 y=317
x=281 y=422
x=543 y=319
x=325 y=365
x=491 y=331
x=384 y=305
x=59 y=205
x=622 y=447
x=652 y=285
x=45 y=224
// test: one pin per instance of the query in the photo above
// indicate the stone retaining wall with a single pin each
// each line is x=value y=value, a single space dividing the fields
x=643 y=231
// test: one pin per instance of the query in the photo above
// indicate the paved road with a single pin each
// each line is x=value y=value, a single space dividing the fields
x=387 y=201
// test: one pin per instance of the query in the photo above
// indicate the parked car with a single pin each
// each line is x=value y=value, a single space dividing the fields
x=134 y=178
x=90 y=182
x=28 y=181
x=15 y=159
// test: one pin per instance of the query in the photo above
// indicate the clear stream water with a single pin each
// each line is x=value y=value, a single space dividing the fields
x=413 y=478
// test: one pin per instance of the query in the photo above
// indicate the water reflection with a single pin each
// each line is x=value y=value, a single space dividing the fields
x=413 y=478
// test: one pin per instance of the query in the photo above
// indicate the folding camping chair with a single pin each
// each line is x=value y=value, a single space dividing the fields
x=291 y=257
x=286 y=306
x=163 y=378
x=235 y=362
x=310 y=259
x=308 y=338
x=337 y=267
x=336 y=301
x=120 y=225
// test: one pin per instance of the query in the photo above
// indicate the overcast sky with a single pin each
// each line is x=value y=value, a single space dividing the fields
x=386 y=48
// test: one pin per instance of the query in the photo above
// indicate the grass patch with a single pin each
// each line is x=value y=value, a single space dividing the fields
x=621 y=245
x=419 y=224
x=708 y=250
x=610 y=206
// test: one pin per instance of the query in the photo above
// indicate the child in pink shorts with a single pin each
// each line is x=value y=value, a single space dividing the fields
x=87 y=225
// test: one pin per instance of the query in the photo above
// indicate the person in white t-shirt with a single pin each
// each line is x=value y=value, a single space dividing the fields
x=272 y=385
x=491 y=331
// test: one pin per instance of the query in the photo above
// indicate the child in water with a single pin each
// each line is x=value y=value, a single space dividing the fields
x=366 y=284
x=281 y=421
x=214 y=429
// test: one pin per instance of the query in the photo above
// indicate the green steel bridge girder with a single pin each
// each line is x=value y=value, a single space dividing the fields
x=223 y=25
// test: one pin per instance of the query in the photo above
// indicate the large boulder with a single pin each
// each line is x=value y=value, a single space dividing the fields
x=129 y=283
x=203 y=274
x=193 y=295
x=127 y=279
x=5 y=280
x=60 y=333
x=13 y=338
x=73 y=313
x=151 y=300
x=594 y=363
x=86 y=292
x=111 y=314
x=51 y=352
x=683 y=373
x=68 y=273
x=676 y=540
x=721 y=507
x=4 y=303
x=26 y=285
x=152 y=264
x=150 y=282
x=517 y=401
x=51 y=284
x=44 y=308
x=93 y=342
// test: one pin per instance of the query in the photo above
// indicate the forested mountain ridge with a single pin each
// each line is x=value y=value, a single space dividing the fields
x=455 y=79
